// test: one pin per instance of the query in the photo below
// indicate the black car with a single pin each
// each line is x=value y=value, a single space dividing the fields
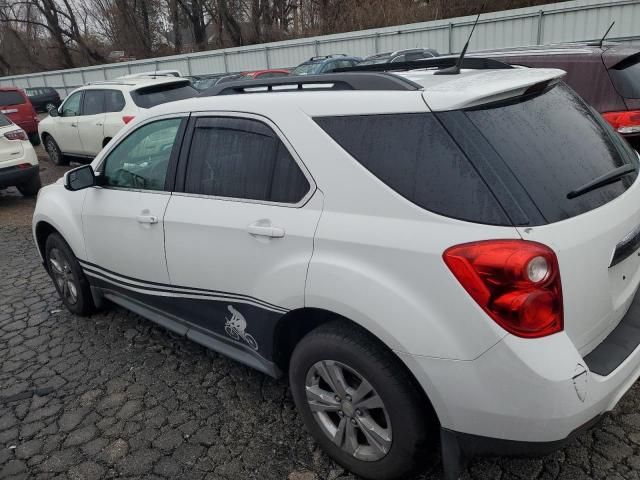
x=43 y=99
x=408 y=55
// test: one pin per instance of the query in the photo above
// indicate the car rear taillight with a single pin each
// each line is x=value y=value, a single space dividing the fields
x=516 y=282
x=624 y=122
x=127 y=118
x=16 y=135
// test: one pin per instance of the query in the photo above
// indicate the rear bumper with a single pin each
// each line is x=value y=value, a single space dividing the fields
x=526 y=392
x=29 y=126
x=13 y=176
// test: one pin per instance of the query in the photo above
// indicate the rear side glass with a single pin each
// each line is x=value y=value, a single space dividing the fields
x=158 y=94
x=114 y=101
x=626 y=77
x=4 y=121
x=415 y=156
x=243 y=159
x=93 y=103
x=11 y=98
x=554 y=143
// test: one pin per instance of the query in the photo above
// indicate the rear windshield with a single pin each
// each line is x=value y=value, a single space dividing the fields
x=11 y=98
x=4 y=121
x=158 y=94
x=554 y=143
x=626 y=77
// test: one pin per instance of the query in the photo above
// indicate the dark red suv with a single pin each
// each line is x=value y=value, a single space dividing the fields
x=607 y=76
x=15 y=104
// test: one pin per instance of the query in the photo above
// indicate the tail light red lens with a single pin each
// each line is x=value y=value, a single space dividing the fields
x=16 y=135
x=624 y=122
x=127 y=118
x=516 y=282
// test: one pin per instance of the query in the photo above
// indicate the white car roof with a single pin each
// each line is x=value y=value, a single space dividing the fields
x=441 y=92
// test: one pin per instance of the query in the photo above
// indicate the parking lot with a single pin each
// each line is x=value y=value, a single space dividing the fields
x=115 y=396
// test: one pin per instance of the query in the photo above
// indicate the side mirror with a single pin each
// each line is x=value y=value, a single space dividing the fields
x=53 y=112
x=79 y=178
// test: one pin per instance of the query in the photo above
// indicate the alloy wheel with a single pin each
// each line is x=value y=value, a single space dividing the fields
x=52 y=150
x=63 y=276
x=348 y=410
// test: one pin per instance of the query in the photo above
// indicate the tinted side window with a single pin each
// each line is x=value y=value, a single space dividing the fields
x=114 y=101
x=241 y=158
x=141 y=160
x=415 y=156
x=93 y=102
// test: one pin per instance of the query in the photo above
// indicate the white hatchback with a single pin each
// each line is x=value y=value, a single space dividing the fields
x=426 y=255
x=91 y=115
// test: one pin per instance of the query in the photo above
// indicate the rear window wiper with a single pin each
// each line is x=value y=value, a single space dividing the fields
x=606 y=179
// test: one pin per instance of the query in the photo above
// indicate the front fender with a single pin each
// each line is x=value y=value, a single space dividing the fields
x=62 y=210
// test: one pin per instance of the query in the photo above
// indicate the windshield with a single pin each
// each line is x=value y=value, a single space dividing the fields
x=306 y=68
x=205 y=83
x=554 y=143
x=626 y=77
x=148 y=97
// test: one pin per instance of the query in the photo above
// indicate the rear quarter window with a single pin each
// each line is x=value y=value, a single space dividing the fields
x=11 y=98
x=415 y=156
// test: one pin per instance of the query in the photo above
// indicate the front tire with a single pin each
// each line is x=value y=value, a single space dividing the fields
x=67 y=276
x=359 y=402
x=54 y=152
x=32 y=187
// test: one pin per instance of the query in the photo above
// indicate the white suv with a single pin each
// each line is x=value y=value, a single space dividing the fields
x=450 y=256
x=91 y=115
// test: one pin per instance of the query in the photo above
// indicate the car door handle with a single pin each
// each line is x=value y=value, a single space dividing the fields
x=99 y=124
x=147 y=219
x=265 y=230
x=74 y=124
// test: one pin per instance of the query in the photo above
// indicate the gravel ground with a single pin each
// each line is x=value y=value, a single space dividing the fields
x=115 y=396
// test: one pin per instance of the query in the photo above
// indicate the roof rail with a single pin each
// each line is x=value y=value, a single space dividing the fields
x=473 y=63
x=327 y=81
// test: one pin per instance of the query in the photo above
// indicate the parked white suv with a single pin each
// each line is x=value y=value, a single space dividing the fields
x=18 y=161
x=450 y=256
x=91 y=115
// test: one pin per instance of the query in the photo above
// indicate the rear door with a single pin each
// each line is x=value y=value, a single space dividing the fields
x=91 y=122
x=240 y=236
x=552 y=145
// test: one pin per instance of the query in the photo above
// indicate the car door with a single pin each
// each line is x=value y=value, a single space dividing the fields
x=239 y=237
x=123 y=218
x=66 y=125
x=91 y=122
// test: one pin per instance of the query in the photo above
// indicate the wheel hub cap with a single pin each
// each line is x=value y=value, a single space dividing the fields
x=63 y=276
x=348 y=410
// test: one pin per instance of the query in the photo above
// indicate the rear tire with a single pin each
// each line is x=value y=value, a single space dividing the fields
x=67 y=276
x=34 y=138
x=54 y=152
x=406 y=431
x=32 y=187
